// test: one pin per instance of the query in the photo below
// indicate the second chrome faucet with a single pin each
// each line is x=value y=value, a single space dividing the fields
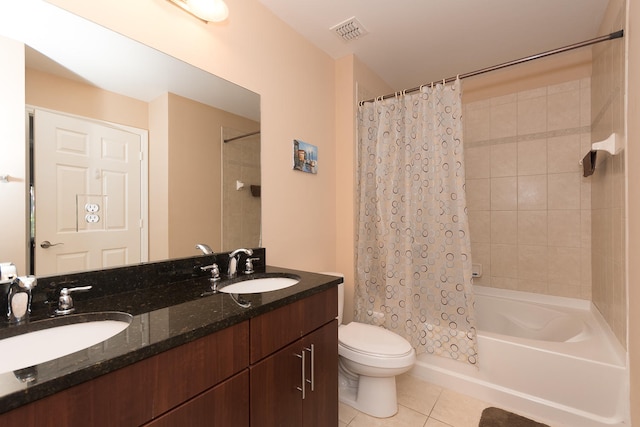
x=232 y=266
x=234 y=257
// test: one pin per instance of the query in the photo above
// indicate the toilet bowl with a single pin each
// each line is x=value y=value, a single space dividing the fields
x=369 y=359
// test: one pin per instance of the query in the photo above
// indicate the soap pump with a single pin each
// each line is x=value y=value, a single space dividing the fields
x=19 y=298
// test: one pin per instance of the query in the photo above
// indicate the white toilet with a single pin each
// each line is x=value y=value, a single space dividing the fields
x=369 y=359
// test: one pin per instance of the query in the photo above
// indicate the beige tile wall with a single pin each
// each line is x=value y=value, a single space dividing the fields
x=241 y=211
x=608 y=181
x=529 y=206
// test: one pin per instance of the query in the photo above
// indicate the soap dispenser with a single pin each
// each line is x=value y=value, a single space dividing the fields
x=19 y=298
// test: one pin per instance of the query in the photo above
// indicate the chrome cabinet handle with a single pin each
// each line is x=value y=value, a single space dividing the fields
x=312 y=351
x=303 y=388
x=47 y=244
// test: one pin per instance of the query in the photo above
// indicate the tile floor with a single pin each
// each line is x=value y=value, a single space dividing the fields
x=421 y=404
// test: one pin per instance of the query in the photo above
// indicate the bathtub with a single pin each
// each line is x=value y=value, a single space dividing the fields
x=550 y=358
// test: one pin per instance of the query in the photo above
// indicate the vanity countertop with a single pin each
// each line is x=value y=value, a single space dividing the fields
x=164 y=316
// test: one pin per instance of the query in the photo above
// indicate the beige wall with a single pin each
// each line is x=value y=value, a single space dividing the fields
x=608 y=183
x=529 y=208
x=296 y=83
x=13 y=161
x=632 y=155
x=195 y=179
x=552 y=70
x=159 y=178
x=60 y=94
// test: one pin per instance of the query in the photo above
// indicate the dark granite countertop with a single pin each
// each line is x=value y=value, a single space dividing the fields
x=165 y=315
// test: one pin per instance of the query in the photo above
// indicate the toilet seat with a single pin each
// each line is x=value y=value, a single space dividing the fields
x=374 y=346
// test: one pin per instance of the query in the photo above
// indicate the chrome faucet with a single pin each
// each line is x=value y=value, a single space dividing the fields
x=215 y=271
x=206 y=249
x=233 y=261
x=65 y=302
x=19 y=298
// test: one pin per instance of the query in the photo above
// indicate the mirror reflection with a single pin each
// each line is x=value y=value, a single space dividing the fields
x=127 y=150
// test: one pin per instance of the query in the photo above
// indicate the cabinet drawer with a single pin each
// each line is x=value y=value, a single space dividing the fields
x=272 y=331
x=136 y=393
x=223 y=405
x=185 y=371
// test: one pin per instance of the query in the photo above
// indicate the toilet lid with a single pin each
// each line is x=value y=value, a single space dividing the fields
x=371 y=339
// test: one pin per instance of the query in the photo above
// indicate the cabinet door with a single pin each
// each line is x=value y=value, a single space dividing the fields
x=274 y=382
x=223 y=405
x=320 y=406
x=277 y=382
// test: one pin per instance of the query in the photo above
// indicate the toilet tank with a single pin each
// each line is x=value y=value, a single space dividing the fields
x=340 y=294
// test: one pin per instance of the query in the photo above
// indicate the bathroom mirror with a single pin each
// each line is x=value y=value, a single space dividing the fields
x=183 y=115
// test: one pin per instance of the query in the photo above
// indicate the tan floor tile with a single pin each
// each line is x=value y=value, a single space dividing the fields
x=458 y=410
x=432 y=422
x=404 y=418
x=346 y=413
x=341 y=424
x=417 y=394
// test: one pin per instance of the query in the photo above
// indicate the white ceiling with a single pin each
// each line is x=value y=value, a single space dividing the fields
x=412 y=42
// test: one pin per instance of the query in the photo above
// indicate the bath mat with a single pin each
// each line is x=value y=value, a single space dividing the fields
x=495 y=417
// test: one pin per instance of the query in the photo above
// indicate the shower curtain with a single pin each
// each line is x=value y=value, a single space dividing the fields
x=413 y=257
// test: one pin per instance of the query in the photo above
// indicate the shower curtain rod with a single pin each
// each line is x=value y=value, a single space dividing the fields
x=614 y=35
x=241 y=136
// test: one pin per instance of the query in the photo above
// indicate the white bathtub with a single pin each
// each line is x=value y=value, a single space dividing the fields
x=550 y=358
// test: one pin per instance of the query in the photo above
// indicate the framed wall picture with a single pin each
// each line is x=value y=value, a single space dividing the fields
x=305 y=157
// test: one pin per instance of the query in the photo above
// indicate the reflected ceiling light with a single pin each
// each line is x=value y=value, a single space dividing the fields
x=207 y=10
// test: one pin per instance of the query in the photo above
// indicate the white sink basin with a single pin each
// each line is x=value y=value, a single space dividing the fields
x=58 y=337
x=259 y=285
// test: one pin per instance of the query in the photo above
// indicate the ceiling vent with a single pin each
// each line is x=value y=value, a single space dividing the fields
x=349 y=30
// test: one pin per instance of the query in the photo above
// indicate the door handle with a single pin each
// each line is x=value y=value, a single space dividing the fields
x=47 y=244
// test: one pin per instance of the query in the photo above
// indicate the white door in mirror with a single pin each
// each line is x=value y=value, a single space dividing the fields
x=72 y=208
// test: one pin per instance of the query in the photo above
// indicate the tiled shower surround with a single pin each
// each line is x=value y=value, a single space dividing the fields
x=241 y=213
x=608 y=201
x=529 y=206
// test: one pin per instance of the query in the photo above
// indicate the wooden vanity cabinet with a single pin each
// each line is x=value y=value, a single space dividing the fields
x=296 y=384
x=247 y=374
x=138 y=393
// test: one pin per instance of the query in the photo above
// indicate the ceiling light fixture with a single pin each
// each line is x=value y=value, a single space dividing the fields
x=206 y=10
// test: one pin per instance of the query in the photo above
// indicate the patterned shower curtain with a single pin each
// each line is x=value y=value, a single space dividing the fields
x=413 y=258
